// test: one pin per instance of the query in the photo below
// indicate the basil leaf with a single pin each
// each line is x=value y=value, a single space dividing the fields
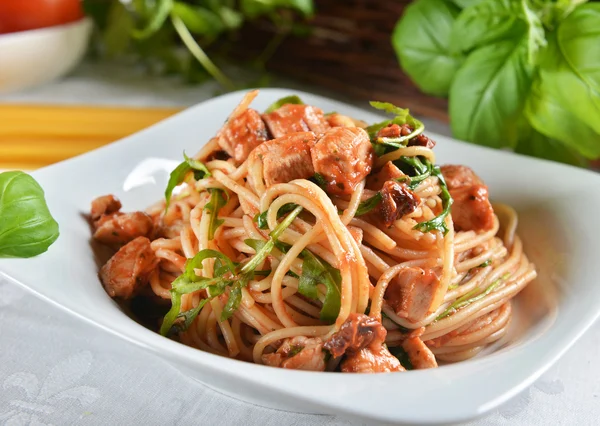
x=369 y=204
x=159 y=15
x=564 y=102
x=179 y=174
x=438 y=223
x=316 y=271
x=295 y=100
x=261 y=219
x=217 y=200
x=486 y=94
x=26 y=226
x=421 y=41
x=490 y=21
x=256 y=8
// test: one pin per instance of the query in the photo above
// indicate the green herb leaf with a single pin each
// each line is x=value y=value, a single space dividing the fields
x=235 y=297
x=256 y=8
x=320 y=180
x=316 y=271
x=402 y=117
x=438 y=223
x=261 y=219
x=26 y=226
x=217 y=200
x=295 y=100
x=421 y=41
x=198 y=20
x=564 y=102
x=179 y=174
x=486 y=94
x=491 y=21
x=159 y=15
x=369 y=204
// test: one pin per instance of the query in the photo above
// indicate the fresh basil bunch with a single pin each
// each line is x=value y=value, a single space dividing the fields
x=522 y=74
x=155 y=30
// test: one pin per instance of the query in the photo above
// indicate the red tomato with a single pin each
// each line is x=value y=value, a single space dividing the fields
x=22 y=15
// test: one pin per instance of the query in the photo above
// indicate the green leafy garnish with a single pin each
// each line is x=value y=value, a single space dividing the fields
x=320 y=180
x=217 y=200
x=486 y=263
x=26 y=226
x=470 y=297
x=402 y=116
x=419 y=170
x=180 y=172
x=261 y=219
x=438 y=223
x=316 y=271
x=369 y=204
x=293 y=99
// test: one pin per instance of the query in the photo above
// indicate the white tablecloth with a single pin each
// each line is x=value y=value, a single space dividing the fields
x=55 y=369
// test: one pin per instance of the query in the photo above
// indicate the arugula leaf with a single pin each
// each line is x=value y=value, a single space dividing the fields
x=320 y=180
x=421 y=41
x=179 y=174
x=293 y=99
x=369 y=204
x=485 y=97
x=402 y=117
x=438 y=223
x=27 y=227
x=316 y=271
x=235 y=297
x=217 y=200
x=261 y=219
x=471 y=297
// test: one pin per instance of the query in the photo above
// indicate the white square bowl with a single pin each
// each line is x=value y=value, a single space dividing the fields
x=557 y=205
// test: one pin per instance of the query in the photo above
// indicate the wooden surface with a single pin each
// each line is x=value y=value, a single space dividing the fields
x=33 y=136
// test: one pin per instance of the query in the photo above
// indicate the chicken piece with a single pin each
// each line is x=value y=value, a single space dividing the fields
x=128 y=270
x=370 y=360
x=106 y=204
x=393 y=130
x=358 y=332
x=118 y=228
x=396 y=201
x=413 y=293
x=344 y=157
x=285 y=159
x=419 y=354
x=242 y=134
x=471 y=209
x=298 y=353
x=295 y=118
x=339 y=120
x=388 y=172
x=357 y=234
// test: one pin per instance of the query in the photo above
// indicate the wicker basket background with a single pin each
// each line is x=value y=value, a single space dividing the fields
x=347 y=50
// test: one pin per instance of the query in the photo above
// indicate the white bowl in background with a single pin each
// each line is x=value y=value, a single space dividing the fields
x=30 y=58
x=556 y=203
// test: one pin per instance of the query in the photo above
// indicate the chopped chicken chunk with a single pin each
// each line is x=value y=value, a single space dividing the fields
x=242 y=134
x=471 y=209
x=106 y=204
x=419 y=354
x=295 y=118
x=413 y=292
x=344 y=157
x=298 y=353
x=285 y=159
x=388 y=172
x=358 y=332
x=128 y=270
x=118 y=228
x=370 y=360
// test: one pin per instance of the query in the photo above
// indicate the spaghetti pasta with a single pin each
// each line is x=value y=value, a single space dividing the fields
x=268 y=255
